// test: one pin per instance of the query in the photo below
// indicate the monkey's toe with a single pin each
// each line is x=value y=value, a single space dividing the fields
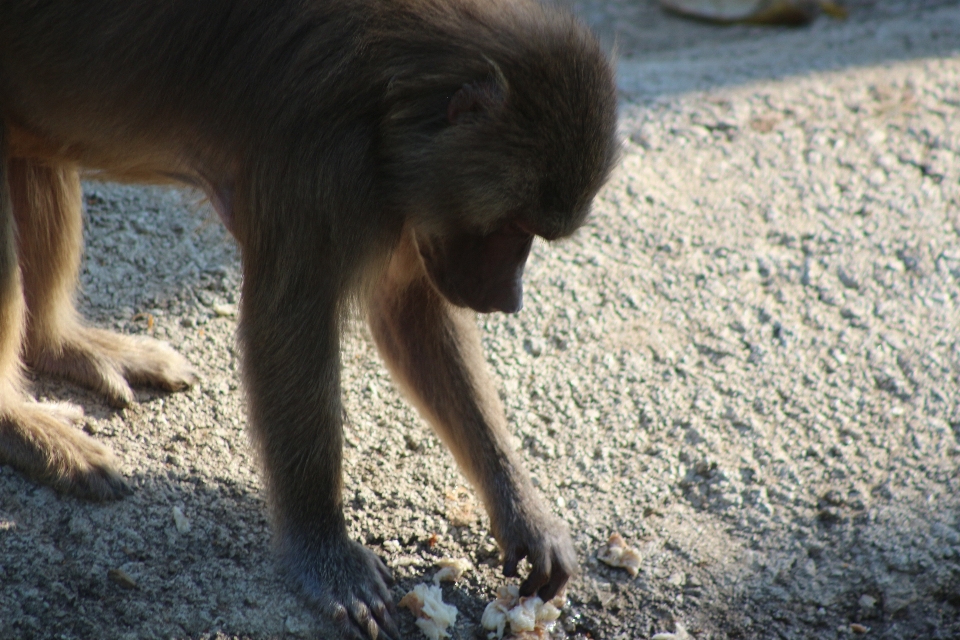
x=155 y=363
x=110 y=362
x=40 y=441
x=348 y=583
x=98 y=483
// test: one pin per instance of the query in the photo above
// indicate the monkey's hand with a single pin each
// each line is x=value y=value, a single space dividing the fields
x=110 y=362
x=528 y=530
x=348 y=582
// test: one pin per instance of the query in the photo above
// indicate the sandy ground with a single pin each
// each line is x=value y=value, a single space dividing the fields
x=747 y=363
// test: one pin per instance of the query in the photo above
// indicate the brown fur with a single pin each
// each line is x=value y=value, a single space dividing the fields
x=400 y=154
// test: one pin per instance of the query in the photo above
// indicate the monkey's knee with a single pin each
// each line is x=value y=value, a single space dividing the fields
x=40 y=441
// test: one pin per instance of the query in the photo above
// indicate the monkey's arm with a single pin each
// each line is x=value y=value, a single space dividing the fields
x=433 y=350
x=290 y=334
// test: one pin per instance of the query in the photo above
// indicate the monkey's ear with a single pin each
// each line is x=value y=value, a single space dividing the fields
x=475 y=99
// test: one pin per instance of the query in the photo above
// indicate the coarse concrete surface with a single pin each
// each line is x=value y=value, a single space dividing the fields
x=747 y=363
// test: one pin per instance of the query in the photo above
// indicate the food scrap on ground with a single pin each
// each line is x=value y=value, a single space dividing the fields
x=617 y=553
x=451 y=570
x=434 y=616
x=460 y=507
x=527 y=618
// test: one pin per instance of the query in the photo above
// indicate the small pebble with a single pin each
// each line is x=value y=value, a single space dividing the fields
x=225 y=310
x=180 y=520
x=451 y=569
x=121 y=579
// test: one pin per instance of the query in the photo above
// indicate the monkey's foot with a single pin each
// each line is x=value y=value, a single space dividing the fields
x=38 y=439
x=349 y=584
x=110 y=362
x=544 y=541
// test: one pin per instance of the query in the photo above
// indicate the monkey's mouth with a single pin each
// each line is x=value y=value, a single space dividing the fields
x=482 y=272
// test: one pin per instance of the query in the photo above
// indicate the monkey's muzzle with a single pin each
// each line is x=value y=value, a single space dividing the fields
x=482 y=272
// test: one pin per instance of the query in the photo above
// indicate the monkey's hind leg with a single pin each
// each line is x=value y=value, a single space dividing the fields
x=39 y=439
x=47 y=206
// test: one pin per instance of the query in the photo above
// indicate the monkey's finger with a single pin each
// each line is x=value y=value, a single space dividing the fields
x=384 y=570
x=348 y=629
x=386 y=600
x=539 y=575
x=512 y=558
x=558 y=579
x=352 y=631
x=380 y=593
x=382 y=607
x=382 y=615
x=361 y=616
x=565 y=566
x=370 y=627
x=391 y=605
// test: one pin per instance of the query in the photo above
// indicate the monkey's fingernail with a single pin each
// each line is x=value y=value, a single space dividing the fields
x=339 y=614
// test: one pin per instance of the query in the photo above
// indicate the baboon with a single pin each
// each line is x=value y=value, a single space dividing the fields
x=392 y=156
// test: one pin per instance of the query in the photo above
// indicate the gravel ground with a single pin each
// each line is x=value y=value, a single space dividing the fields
x=747 y=363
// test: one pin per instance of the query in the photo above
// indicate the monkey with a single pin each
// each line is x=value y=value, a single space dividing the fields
x=389 y=158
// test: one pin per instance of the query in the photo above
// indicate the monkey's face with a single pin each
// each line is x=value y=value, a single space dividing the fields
x=497 y=175
x=476 y=221
x=480 y=271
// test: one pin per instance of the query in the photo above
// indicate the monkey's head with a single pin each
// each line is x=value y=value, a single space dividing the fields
x=506 y=136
